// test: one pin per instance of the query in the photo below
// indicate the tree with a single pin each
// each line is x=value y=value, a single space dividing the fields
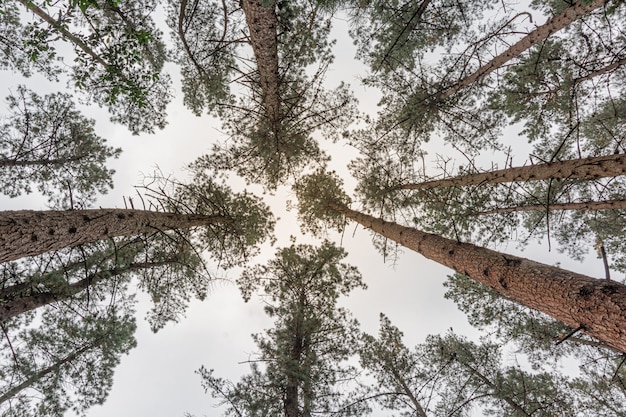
x=164 y=264
x=269 y=105
x=118 y=59
x=449 y=375
x=584 y=303
x=228 y=224
x=301 y=368
x=67 y=361
x=47 y=142
x=583 y=168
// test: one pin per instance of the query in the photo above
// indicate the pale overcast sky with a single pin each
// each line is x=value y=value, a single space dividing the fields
x=157 y=378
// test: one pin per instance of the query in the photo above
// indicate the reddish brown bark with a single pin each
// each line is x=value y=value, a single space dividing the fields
x=598 y=306
x=553 y=25
x=29 y=233
x=262 y=24
x=584 y=168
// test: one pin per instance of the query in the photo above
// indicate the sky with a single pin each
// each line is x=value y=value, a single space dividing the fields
x=157 y=378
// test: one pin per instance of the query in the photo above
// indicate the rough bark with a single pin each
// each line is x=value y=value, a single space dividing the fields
x=29 y=233
x=584 y=168
x=553 y=25
x=599 y=306
x=584 y=205
x=262 y=24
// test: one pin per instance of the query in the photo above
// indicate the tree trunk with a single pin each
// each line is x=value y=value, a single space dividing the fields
x=585 y=168
x=263 y=24
x=20 y=305
x=553 y=25
x=43 y=372
x=5 y=163
x=599 y=306
x=585 y=205
x=29 y=233
x=61 y=28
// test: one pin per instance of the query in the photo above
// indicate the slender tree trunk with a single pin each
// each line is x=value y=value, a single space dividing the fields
x=408 y=28
x=585 y=168
x=291 y=401
x=496 y=392
x=263 y=24
x=42 y=373
x=599 y=306
x=66 y=33
x=20 y=305
x=553 y=25
x=5 y=163
x=29 y=233
x=585 y=205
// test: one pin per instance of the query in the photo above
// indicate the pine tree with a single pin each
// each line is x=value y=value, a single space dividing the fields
x=584 y=303
x=119 y=57
x=269 y=109
x=301 y=368
x=48 y=143
x=228 y=224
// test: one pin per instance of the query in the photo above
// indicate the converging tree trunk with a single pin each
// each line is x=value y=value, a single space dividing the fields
x=597 y=307
x=262 y=25
x=584 y=168
x=29 y=233
x=553 y=25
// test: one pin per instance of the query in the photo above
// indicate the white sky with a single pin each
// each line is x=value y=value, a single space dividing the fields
x=157 y=378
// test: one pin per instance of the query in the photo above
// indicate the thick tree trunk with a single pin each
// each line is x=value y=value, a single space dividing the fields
x=29 y=233
x=585 y=168
x=598 y=306
x=553 y=25
x=585 y=205
x=263 y=24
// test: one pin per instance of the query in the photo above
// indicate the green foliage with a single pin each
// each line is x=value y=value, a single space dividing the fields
x=46 y=142
x=67 y=360
x=449 y=375
x=25 y=48
x=314 y=193
x=243 y=221
x=217 y=78
x=119 y=55
x=301 y=366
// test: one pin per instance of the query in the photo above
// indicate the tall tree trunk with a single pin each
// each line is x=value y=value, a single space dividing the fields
x=598 y=306
x=553 y=25
x=585 y=205
x=291 y=402
x=584 y=168
x=263 y=24
x=20 y=305
x=29 y=233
